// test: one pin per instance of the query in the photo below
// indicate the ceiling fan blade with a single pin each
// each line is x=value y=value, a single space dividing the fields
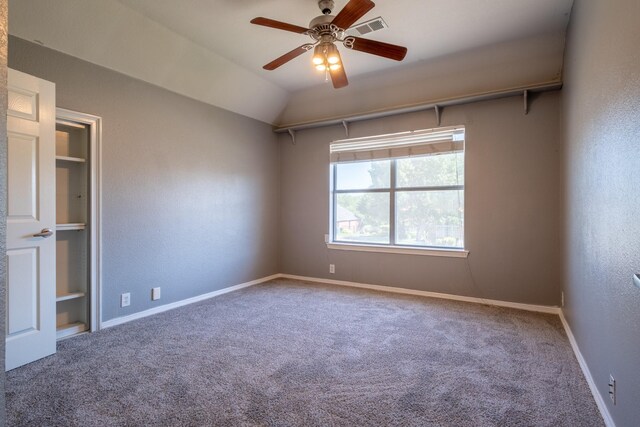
x=353 y=11
x=266 y=22
x=287 y=57
x=339 y=76
x=386 y=50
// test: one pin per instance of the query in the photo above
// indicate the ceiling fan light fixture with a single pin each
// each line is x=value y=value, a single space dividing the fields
x=326 y=57
x=318 y=55
x=333 y=57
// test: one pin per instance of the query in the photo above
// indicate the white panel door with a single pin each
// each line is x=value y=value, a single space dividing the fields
x=31 y=220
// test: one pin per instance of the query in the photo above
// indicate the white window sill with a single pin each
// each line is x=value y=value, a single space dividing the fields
x=451 y=253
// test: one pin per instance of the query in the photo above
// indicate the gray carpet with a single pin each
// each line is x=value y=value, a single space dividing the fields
x=287 y=353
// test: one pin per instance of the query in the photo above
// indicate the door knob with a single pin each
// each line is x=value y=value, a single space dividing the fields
x=46 y=232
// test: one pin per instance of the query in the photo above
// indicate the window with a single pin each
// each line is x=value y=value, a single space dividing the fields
x=399 y=190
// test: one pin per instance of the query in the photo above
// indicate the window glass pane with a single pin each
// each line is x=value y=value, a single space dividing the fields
x=362 y=217
x=363 y=175
x=431 y=171
x=430 y=218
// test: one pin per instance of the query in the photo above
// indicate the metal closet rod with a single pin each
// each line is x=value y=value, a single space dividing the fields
x=437 y=105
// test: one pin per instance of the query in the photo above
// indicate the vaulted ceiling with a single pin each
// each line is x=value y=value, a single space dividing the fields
x=208 y=50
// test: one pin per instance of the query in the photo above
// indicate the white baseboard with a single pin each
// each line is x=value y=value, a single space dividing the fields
x=171 y=306
x=587 y=374
x=516 y=305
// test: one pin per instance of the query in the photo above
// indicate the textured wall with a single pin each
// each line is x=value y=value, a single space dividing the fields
x=190 y=191
x=108 y=33
x=510 y=64
x=512 y=206
x=3 y=188
x=601 y=100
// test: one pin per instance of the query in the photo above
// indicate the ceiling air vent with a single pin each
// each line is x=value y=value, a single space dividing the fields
x=375 y=24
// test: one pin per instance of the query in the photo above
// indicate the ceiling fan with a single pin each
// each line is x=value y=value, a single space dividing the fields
x=326 y=30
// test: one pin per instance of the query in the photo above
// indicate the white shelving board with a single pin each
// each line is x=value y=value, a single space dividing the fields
x=70 y=124
x=71 y=226
x=71 y=295
x=71 y=159
x=69 y=329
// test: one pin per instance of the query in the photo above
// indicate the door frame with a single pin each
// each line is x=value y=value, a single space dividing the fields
x=94 y=125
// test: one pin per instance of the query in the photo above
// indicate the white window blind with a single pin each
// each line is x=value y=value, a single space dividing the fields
x=397 y=145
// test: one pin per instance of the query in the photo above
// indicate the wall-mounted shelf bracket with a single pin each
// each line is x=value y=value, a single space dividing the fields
x=526 y=102
x=438 y=114
x=346 y=127
x=438 y=105
x=292 y=133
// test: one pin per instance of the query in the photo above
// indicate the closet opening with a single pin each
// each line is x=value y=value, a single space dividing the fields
x=77 y=222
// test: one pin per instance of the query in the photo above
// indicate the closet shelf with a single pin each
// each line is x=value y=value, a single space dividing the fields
x=76 y=145
x=71 y=124
x=68 y=296
x=71 y=159
x=71 y=226
x=69 y=329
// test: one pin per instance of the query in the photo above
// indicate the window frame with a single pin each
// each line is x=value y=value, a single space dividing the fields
x=392 y=246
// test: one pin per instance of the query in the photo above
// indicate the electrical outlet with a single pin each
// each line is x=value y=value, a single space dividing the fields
x=125 y=300
x=612 y=388
x=561 y=299
x=155 y=294
x=332 y=268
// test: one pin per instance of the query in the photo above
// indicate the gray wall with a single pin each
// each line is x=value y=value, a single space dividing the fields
x=512 y=206
x=3 y=189
x=190 y=191
x=513 y=63
x=601 y=99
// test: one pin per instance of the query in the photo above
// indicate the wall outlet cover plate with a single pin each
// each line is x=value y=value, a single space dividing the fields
x=125 y=300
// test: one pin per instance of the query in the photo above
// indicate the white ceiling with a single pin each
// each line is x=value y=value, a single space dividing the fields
x=428 y=28
x=209 y=51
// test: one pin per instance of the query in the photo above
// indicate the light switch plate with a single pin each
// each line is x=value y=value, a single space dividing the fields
x=155 y=294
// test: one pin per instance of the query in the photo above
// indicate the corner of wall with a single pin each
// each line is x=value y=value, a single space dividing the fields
x=3 y=187
x=601 y=159
x=586 y=372
x=280 y=225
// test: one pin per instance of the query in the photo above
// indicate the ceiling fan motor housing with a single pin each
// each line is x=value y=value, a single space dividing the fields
x=321 y=23
x=326 y=6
